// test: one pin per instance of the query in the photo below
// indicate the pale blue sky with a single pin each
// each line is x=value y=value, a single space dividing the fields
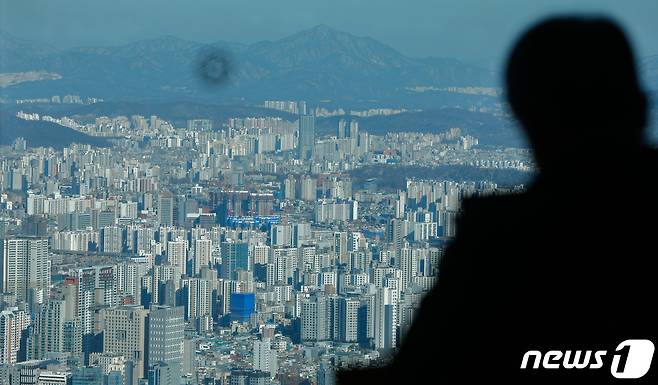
x=472 y=30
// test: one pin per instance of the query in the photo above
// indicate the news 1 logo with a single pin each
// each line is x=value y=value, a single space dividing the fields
x=631 y=360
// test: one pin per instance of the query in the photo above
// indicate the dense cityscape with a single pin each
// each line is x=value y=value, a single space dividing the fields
x=236 y=252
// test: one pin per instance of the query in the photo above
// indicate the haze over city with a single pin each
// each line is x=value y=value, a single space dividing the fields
x=249 y=192
x=473 y=30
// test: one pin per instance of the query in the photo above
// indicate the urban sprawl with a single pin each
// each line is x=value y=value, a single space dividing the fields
x=236 y=252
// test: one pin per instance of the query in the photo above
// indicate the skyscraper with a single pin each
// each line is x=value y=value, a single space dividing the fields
x=197 y=297
x=340 y=246
x=128 y=280
x=319 y=318
x=96 y=286
x=177 y=256
x=235 y=255
x=202 y=254
x=348 y=129
x=166 y=209
x=165 y=341
x=348 y=311
x=12 y=323
x=265 y=358
x=289 y=187
x=24 y=268
x=112 y=239
x=281 y=235
x=125 y=332
x=300 y=233
x=51 y=327
x=386 y=316
x=308 y=188
x=306 y=140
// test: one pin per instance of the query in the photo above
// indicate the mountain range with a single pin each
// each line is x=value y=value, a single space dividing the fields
x=316 y=64
x=320 y=65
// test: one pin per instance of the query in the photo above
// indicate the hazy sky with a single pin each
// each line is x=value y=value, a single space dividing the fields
x=474 y=30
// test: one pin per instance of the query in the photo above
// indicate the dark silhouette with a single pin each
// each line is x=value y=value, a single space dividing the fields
x=567 y=265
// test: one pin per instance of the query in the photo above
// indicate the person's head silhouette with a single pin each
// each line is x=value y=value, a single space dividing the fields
x=572 y=84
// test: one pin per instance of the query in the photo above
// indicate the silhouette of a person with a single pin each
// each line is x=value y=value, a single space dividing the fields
x=567 y=265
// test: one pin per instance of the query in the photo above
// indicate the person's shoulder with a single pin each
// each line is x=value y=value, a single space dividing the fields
x=486 y=215
x=646 y=166
x=493 y=203
x=650 y=156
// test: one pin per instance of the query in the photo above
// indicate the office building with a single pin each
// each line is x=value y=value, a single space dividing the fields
x=306 y=139
x=235 y=255
x=166 y=209
x=165 y=341
x=125 y=334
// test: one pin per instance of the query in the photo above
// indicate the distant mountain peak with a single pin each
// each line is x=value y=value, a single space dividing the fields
x=323 y=29
x=323 y=41
x=320 y=32
x=166 y=41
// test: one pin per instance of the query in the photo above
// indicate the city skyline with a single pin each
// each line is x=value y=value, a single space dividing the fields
x=179 y=241
x=272 y=212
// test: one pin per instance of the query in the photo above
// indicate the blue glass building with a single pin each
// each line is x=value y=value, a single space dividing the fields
x=242 y=306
